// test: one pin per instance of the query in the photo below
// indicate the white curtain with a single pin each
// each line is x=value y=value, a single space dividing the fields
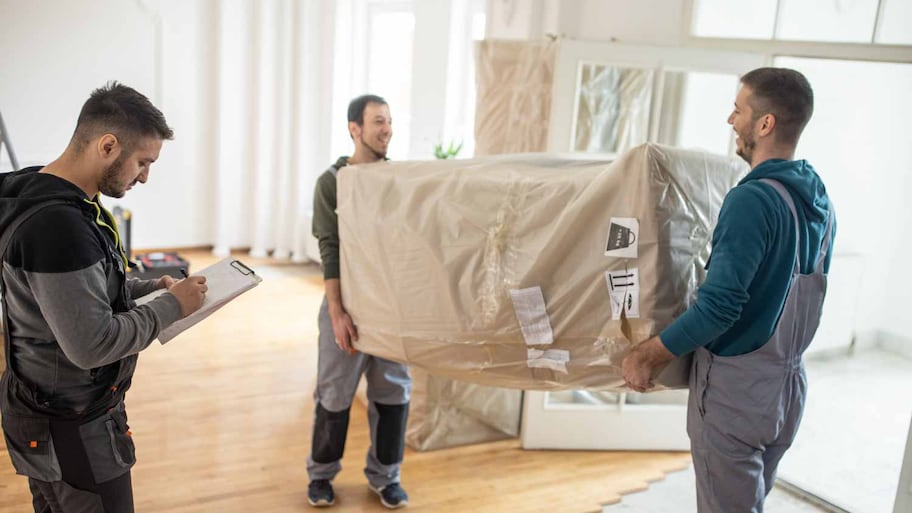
x=273 y=82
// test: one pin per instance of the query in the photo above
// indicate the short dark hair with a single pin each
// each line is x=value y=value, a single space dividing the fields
x=356 y=107
x=120 y=110
x=784 y=93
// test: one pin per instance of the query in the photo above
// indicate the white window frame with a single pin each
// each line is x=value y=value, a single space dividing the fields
x=872 y=51
x=660 y=59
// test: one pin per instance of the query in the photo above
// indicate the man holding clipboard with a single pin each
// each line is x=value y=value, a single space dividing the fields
x=71 y=323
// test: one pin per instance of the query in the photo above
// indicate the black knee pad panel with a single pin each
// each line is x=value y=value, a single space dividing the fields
x=330 y=430
x=390 y=442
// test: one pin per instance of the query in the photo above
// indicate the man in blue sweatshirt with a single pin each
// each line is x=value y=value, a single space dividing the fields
x=759 y=307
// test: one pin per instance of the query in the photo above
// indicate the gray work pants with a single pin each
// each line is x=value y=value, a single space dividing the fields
x=388 y=388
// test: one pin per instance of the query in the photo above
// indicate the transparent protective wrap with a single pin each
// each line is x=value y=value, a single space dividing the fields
x=434 y=252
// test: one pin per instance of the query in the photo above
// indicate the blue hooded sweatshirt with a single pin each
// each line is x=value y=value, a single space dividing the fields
x=753 y=256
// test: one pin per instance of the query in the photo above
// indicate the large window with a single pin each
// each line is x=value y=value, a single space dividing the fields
x=391 y=29
x=427 y=75
x=896 y=23
x=460 y=116
x=844 y=21
x=829 y=20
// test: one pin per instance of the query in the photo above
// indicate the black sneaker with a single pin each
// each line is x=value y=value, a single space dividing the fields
x=320 y=493
x=392 y=496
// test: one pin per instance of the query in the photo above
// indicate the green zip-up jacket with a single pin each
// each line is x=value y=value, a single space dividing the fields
x=325 y=222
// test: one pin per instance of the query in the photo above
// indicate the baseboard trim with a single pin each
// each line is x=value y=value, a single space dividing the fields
x=183 y=249
x=833 y=353
x=896 y=344
x=810 y=498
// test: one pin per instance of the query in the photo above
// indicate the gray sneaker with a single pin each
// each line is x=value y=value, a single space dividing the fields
x=392 y=495
x=320 y=493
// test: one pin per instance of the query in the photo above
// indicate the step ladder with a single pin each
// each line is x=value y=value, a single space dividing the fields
x=5 y=141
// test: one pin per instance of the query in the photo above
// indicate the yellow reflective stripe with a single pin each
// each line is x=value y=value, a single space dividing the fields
x=102 y=222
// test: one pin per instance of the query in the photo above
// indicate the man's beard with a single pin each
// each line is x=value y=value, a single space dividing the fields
x=379 y=155
x=748 y=143
x=109 y=185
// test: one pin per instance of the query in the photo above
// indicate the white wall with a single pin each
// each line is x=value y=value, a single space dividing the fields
x=869 y=192
x=247 y=87
x=515 y=19
x=50 y=64
x=658 y=22
x=40 y=101
x=630 y=21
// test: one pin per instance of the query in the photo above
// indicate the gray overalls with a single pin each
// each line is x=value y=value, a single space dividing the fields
x=388 y=387
x=744 y=411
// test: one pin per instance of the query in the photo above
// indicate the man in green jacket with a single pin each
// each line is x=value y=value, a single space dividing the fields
x=340 y=367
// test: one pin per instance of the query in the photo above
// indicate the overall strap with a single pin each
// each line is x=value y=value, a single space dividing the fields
x=778 y=187
x=827 y=239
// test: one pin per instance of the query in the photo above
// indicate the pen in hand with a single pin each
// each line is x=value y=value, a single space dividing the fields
x=184 y=272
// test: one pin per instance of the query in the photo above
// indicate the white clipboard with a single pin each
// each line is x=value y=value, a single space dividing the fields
x=226 y=279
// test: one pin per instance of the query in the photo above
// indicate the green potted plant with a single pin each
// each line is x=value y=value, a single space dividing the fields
x=447 y=152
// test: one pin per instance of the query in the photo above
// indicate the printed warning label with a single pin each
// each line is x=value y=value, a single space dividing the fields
x=623 y=233
x=624 y=291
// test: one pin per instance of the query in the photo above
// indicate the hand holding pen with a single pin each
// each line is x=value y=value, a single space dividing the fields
x=189 y=292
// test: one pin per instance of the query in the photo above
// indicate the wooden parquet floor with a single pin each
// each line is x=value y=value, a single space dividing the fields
x=222 y=416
